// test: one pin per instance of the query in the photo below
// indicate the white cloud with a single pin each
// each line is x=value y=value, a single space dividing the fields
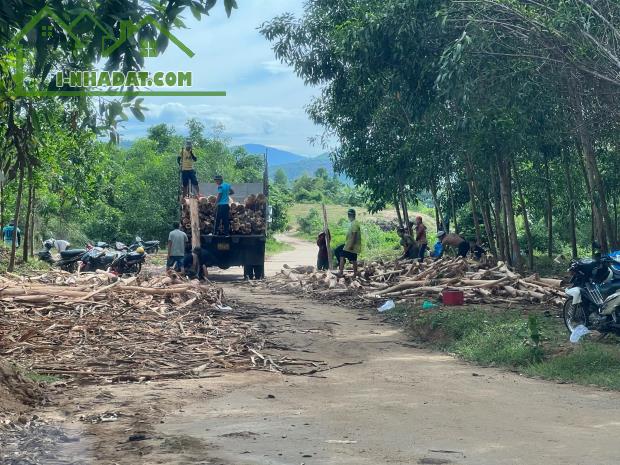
x=265 y=100
x=276 y=67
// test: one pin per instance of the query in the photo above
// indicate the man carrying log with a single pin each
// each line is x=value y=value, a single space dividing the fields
x=222 y=212
x=410 y=248
x=9 y=232
x=176 y=248
x=352 y=247
x=455 y=241
x=188 y=175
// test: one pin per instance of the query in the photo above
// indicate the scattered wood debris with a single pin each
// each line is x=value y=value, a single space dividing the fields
x=413 y=279
x=97 y=327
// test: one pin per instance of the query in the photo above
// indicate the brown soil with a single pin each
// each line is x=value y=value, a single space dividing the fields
x=17 y=393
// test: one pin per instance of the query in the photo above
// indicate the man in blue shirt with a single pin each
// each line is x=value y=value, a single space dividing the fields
x=222 y=214
x=7 y=235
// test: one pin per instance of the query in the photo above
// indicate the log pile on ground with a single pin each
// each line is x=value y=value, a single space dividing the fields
x=98 y=327
x=426 y=280
x=245 y=218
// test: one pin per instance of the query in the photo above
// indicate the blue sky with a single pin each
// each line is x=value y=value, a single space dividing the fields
x=266 y=100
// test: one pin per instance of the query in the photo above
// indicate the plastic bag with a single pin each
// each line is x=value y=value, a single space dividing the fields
x=578 y=333
x=428 y=305
x=389 y=305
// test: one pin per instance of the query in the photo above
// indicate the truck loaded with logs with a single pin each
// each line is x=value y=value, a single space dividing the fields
x=249 y=215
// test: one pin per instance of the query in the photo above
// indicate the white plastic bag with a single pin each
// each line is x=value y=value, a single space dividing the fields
x=389 y=305
x=578 y=333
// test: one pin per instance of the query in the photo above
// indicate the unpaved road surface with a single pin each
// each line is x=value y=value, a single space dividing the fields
x=382 y=402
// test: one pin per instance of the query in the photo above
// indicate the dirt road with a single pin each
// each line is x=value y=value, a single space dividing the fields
x=382 y=402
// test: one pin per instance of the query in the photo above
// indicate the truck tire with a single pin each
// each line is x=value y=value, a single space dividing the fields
x=248 y=272
x=259 y=271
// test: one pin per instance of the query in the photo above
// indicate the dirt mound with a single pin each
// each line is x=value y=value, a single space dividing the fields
x=16 y=391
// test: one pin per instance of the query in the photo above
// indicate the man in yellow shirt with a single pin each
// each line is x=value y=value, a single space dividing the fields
x=352 y=247
x=186 y=160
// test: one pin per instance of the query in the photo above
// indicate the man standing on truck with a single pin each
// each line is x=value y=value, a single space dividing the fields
x=188 y=174
x=222 y=214
x=352 y=246
x=176 y=248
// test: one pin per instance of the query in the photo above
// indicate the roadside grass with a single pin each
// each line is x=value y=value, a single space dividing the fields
x=530 y=342
x=41 y=378
x=273 y=246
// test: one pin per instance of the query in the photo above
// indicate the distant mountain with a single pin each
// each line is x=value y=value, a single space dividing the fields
x=275 y=157
x=309 y=167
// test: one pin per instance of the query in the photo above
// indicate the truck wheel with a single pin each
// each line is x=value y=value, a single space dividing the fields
x=259 y=272
x=248 y=272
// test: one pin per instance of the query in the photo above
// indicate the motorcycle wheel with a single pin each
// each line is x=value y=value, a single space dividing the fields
x=69 y=267
x=574 y=315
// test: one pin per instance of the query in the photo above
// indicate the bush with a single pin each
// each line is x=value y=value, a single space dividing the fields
x=311 y=224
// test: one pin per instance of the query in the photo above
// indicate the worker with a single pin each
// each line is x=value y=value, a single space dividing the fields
x=7 y=234
x=410 y=248
x=352 y=246
x=420 y=237
x=455 y=241
x=188 y=175
x=437 y=250
x=322 y=262
x=176 y=249
x=196 y=263
x=476 y=250
x=222 y=214
x=61 y=245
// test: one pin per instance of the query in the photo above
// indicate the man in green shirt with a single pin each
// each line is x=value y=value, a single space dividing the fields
x=352 y=247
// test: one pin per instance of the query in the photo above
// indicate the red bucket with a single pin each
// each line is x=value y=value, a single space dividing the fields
x=452 y=297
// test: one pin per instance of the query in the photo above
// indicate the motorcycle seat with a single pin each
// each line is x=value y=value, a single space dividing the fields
x=72 y=253
x=134 y=255
x=150 y=243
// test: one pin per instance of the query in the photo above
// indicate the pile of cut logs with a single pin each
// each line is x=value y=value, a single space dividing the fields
x=245 y=219
x=95 y=326
x=427 y=280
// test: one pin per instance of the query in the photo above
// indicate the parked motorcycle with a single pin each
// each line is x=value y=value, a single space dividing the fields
x=151 y=247
x=117 y=262
x=69 y=259
x=129 y=262
x=594 y=295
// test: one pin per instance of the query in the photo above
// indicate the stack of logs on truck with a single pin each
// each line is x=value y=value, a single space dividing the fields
x=245 y=244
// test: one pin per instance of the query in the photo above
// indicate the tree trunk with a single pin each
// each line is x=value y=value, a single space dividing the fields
x=486 y=211
x=505 y=183
x=18 y=202
x=403 y=202
x=2 y=203
x=499 y=233
x=34 y=199
x=549 y=209
x=474 y=215
x=452 y=207
x=397 y=207
x=602 y=217
x=526 y=221
x=571 y=208
x=433 y=188
x=27 y=232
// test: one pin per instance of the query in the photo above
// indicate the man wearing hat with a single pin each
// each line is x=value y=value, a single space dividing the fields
x=352 y=247
x=222 y=214
x=188 y=175
x=454 y=240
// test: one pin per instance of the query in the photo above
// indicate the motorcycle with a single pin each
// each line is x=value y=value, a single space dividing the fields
x=69 y=259
x=117 y=262
x=594 y=295
x=151 y=247
x=129 y=262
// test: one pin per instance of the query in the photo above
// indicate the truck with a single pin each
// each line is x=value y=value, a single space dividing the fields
x=247 y=251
